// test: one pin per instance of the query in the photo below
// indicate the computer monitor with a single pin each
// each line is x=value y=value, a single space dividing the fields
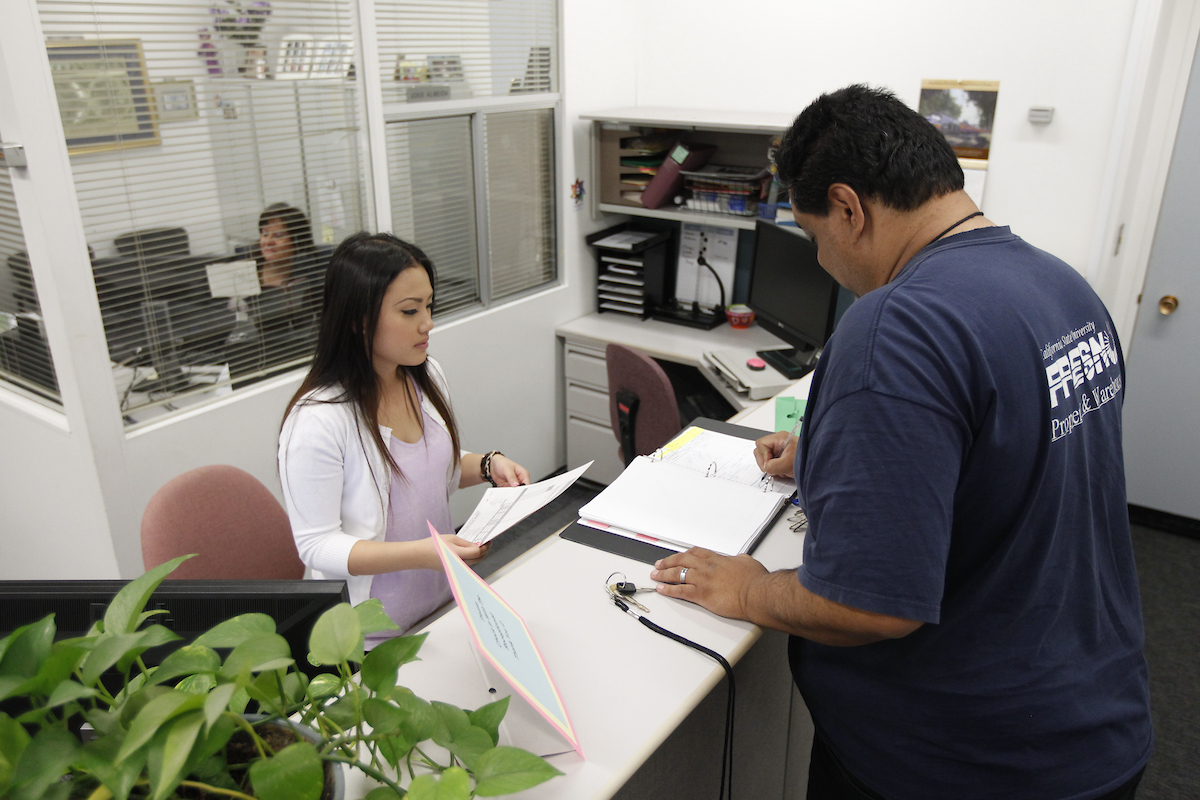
x=791 y=295
x=192 y=606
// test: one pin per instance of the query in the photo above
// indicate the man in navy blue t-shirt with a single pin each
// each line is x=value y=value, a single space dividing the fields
x=966 y=621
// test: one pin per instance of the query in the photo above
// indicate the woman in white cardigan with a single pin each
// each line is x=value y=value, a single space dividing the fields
x=369 y=449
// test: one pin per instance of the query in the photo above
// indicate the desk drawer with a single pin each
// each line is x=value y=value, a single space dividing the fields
x=587 y=441
x=585 y=402
x=585 y=365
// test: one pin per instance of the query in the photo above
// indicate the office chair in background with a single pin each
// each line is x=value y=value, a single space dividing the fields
x=224 y=514
x=641 y=402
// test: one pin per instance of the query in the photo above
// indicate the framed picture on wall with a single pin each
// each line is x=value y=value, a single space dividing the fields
x=175 y=100
x=104 y=96
x=963 y=111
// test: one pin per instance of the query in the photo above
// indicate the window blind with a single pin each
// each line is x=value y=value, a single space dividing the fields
x=520 y=200
x=432 y=179
x=457 y=49
x=185 y=120
x=25 y=361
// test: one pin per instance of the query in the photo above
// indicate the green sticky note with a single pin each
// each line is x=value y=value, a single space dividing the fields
x=788 y=411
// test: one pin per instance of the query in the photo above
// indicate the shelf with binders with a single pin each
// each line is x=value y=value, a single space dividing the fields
x=635 y=268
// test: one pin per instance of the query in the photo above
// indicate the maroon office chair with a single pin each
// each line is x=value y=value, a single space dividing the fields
x=641 y=402
x=225 y=515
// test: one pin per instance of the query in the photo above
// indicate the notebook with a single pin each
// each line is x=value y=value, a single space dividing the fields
x=703 y=489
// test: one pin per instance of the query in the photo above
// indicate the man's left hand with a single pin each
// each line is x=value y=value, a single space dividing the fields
x=713 y=581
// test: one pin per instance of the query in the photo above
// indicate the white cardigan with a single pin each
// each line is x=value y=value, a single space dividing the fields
x=336 y=484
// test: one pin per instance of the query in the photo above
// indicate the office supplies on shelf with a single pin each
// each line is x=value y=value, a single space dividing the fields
x=633 y=273
x=703 y=489
x=668 y=180
x=720 y=189
x=501 y=507
x=789 y=413
x=505 y=641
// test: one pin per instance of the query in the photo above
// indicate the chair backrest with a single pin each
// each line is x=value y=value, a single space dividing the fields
x=657 y=416
x=224 y=514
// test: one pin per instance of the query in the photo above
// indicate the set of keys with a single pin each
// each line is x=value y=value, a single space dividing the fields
x=625 y=590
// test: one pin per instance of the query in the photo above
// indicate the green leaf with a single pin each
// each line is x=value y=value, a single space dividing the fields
x=99 y=758
x=507 y=770
x=46 y=759
x=153 y=636
x=454 y=717
x=380 y=666
x=13 y=741
x=138 y=700
x=27 y=647
x=217 y=701
x=342 y=713
x=469 y=744
x=67 y=691
x=239 y=701
x=423 y=721
x=103 y=722
x=181 y=737
x=264 y=652
x=109 y=650
x=336 y=636
x=324 y=685
x=382 y=793
x=395 y=749
x=372 y=618
x=190 y=659
x=489 y=717
x=58 y=667
x=233 y=632
x=152 y=717
x=123 y=612
x=197 y=684
x=294 y=773
x=455 y=784
x=382 y=716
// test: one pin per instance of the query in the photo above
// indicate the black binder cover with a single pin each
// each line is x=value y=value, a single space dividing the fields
x=644 y=551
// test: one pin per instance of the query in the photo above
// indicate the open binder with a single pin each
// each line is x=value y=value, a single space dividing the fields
x=660 y=506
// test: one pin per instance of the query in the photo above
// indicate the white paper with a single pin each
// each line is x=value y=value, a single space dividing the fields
x=719 y=248
x=233 y=279
x=623 y=240
x=505 y=506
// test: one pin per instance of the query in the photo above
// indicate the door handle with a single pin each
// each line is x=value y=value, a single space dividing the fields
x=12 y=154
x=1167 y=304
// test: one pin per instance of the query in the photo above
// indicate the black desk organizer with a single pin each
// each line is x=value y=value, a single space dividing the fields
x=637 y=281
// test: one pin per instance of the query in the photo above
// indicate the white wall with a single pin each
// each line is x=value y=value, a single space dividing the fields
x=769 y=55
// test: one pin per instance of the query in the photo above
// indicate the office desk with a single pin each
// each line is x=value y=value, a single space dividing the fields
x=626 y=688
x=585 y=377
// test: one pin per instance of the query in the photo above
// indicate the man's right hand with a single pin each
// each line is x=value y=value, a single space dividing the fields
x=776 y=453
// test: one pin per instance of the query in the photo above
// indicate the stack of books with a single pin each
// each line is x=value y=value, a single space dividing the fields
x=717 y=189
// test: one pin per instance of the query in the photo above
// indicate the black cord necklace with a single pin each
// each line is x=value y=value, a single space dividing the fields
x=955 y=225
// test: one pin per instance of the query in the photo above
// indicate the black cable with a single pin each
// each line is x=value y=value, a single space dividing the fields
x=702 y=261
x=727 y=752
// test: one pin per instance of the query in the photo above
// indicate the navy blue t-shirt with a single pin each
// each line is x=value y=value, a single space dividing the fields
x=961 y=465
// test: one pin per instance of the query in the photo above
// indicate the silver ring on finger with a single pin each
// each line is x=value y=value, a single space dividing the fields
x=683 y=575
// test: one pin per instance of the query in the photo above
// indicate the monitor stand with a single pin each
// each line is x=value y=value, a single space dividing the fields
x=793 y=364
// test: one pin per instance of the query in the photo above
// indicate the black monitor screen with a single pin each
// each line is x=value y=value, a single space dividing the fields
x=792 y=296
x=192 y=606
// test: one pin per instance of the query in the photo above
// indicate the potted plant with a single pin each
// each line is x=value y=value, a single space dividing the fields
x=180 y=729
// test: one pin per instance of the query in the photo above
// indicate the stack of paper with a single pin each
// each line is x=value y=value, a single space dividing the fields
x=703 y=489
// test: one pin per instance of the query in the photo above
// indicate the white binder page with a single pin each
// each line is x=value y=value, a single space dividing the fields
x=668 y=501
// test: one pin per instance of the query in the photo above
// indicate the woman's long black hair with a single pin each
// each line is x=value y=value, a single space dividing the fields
x=360 y=272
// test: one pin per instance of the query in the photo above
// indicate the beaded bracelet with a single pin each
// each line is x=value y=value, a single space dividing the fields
x=485 y=467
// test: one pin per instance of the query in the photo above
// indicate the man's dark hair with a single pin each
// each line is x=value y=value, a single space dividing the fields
x=869 y=140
